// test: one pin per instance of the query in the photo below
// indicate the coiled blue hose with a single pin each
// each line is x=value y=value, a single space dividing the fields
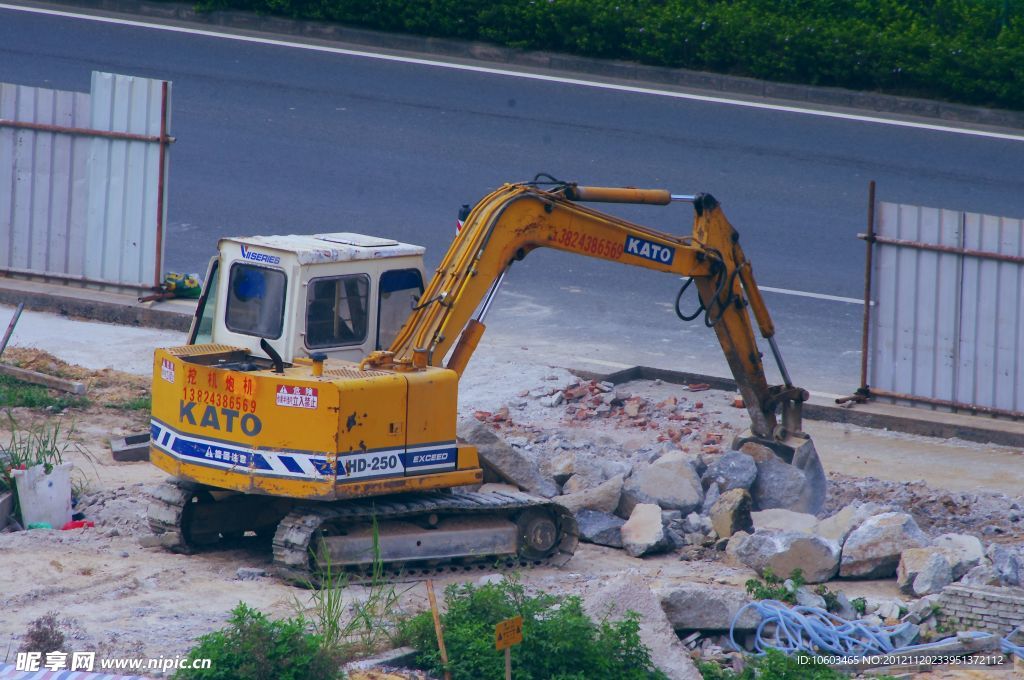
x=813 y=630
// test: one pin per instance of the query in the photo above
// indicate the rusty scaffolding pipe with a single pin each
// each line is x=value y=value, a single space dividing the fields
x=87 y=132
x=953 y=250
x=960 y=406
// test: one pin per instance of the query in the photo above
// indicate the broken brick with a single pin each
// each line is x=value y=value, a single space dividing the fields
x=482 y=415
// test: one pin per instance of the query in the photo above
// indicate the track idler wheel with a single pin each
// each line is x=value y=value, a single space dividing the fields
x=538 y=534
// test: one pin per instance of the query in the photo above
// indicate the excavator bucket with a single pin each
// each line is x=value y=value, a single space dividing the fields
x=796 y=450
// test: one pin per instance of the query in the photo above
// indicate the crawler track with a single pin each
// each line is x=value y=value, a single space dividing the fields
x=295 y=535
x=173 y=507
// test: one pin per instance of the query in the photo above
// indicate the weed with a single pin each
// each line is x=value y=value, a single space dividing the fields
x=559 y=639
x=143 y=403
x=774 y=665
x=831 y=599
x=15 y=393
x=44 y=635
x=256 y=648
x=774 y=588
x=361 y=627
x=860 y=605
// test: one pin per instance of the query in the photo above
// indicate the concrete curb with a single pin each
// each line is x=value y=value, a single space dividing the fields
x=713 y=83
x=85 y=303
x=177 y=315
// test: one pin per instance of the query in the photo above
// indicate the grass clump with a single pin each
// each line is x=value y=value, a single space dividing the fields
x=560 y=642
x=15 y=393
x=143 y=403
x=361 y=626
x=254 y=647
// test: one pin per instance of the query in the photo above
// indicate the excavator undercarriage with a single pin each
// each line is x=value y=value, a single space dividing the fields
x=409 y=535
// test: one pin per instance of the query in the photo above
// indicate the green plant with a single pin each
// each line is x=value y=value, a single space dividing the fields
x=774 y=665
x=774 y=588
x=860 y=605
x=143 y=403
x=831 y=599
x=253 y=647
x=41 y=444
x=15 y=393
x=560 y=642
x=362 y=626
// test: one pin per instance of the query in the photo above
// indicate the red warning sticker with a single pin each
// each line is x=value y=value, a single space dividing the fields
x=296 y=396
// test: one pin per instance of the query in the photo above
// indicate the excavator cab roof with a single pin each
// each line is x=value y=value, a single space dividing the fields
x=324 y=248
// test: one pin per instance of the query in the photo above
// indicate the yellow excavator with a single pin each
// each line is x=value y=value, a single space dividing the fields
x=316 y=401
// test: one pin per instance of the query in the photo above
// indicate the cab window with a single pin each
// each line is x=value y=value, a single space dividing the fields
x=256 y=297
x=399 y=291
x=337 y=310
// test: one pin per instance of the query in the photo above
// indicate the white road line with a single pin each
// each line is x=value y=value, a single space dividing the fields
x=816 y=296
x=520 y=74
x=601 y=362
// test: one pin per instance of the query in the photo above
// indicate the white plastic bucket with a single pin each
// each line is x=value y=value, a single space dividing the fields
x=44 y=497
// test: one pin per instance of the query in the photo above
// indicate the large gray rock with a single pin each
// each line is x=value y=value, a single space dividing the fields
x=1007 y=564
x=785 y=551
x=839 y=526
x=733 y=470
x=503 y=461
x=963 y=551
x=982 y=575
x=873 y=549
x=923 y=571
x=582 y=481
x=601 y=528
x=643 y=533
x=694 y=606
x=778 y=485
x=731 y=513
x=669 y=482
x=603 y=498
x=627 y=593
x=560 y=467
x=784 y=520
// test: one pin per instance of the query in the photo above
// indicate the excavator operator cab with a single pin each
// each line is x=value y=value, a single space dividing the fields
x=342 y=294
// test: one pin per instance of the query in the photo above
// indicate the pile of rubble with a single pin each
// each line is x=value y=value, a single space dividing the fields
x=687 y=493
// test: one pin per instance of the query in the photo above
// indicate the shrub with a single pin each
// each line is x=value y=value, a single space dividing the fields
x=253 y=647
x=774 y=588
x=971 y=52
x=560 y=642
x=774 y=665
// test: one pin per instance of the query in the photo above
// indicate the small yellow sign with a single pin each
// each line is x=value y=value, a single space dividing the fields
x=509 y=632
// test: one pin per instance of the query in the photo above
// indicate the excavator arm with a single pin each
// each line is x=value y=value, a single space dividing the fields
x=517 y=218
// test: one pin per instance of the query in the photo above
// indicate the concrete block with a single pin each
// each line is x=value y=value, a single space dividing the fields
x=131 y=448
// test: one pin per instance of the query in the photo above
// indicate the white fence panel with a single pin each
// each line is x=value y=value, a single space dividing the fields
x=81 y=184
x=948 y=319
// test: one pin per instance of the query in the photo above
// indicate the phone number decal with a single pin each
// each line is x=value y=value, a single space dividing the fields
x=585 y=243
x=218 y=399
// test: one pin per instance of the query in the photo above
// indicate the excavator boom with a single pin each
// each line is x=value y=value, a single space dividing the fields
x=517 y=218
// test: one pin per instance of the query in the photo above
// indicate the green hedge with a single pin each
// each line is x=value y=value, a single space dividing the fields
x=958 y=50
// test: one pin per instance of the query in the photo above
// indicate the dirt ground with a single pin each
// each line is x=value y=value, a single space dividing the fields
x=123 y=599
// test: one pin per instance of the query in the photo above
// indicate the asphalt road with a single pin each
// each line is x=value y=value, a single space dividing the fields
x=274 y=139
